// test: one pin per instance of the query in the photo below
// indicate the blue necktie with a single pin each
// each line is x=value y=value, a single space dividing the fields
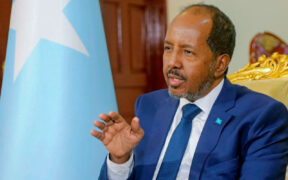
x=178 y=143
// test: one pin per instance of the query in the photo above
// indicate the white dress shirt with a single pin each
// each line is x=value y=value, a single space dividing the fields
x=122 y=171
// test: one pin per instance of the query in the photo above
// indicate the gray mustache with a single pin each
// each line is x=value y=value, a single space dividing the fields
x=176 y=72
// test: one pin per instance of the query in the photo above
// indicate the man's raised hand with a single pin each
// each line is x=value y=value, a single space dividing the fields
x=119 y=137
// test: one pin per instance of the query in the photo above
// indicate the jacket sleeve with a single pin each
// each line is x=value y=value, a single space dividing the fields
x=266 y=152
x=103 y=173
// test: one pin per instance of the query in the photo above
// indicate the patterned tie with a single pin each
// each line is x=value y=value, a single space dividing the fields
x=178 y=143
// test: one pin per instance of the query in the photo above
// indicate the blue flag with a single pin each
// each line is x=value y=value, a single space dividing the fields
x=57 y=81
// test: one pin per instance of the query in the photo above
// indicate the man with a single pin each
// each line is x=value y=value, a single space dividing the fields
x=233 y=133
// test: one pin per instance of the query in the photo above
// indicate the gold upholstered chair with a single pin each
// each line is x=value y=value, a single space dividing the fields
x=269 y=75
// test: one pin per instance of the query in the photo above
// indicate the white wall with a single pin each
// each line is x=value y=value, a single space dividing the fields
x=249 y=17
x=175 y=6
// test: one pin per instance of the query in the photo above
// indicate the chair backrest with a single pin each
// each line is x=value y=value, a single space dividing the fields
x=269 y=75
x=266 y=43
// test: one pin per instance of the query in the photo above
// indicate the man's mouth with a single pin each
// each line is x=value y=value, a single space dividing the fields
x=175 y=80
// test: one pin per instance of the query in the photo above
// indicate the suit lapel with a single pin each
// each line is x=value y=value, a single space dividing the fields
x=217 y=120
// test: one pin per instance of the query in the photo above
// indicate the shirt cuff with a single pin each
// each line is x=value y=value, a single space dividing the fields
x=119 y=171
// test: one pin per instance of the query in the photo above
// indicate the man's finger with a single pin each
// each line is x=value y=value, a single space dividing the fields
x=116 y=117
x=99 y=125
x=135 y=125
x=106 y=118
x=97 y=134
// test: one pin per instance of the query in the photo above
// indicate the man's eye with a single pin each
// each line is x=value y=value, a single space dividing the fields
x=167 y=48
x=189 y=52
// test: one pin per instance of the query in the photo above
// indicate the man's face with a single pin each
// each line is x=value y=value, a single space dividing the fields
x=187 y=60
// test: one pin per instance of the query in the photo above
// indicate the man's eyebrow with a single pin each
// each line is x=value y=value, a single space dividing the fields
x=168 y=42
x=182 y=46
x=186 y=46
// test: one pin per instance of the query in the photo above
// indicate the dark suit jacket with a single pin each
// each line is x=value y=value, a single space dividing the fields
x=251 y=143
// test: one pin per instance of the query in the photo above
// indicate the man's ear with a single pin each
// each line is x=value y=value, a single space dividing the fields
x=221 y=65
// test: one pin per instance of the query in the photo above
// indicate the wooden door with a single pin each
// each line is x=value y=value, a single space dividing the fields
x=135 y=31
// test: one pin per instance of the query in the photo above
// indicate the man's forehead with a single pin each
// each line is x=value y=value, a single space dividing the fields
x=191 y=20
x=182 y=33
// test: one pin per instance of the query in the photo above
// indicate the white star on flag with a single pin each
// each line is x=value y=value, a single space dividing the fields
x=34 y=20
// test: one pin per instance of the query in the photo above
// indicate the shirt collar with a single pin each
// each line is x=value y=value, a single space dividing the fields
x=205 y=103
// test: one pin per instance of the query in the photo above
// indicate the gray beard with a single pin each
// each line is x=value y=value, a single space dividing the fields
x=206 y=84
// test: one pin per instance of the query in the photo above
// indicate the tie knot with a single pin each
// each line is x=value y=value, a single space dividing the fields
x=190 y=111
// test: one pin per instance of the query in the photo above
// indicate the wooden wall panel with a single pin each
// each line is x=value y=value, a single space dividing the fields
x=137 y=39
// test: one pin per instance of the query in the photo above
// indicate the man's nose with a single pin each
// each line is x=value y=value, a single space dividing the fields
x=175 y=60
